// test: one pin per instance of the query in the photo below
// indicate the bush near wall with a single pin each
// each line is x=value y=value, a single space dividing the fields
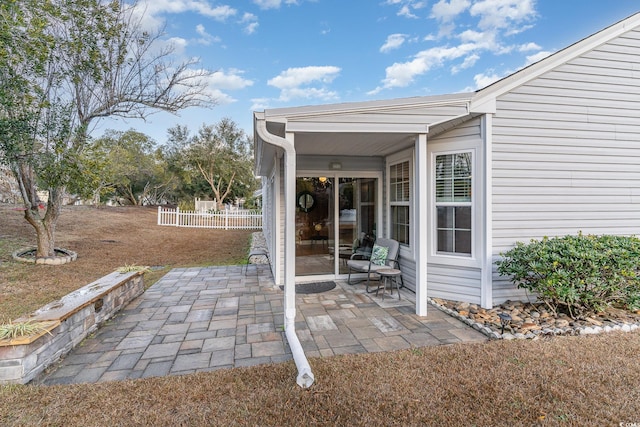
x=578 y=275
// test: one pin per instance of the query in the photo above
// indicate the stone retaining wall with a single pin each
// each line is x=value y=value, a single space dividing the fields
x=68 y=321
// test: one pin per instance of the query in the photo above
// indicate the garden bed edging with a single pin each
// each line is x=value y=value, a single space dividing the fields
x=68 y=321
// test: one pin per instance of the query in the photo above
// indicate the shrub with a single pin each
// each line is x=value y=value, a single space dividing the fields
x=579 y=274
x=187 y=205
x=9 y=331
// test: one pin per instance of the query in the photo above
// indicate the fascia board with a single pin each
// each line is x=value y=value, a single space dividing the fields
x=300 y=113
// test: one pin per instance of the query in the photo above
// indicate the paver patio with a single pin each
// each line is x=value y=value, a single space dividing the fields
x=203 y=319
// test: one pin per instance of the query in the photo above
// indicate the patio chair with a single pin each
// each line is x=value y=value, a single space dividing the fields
x=363 y=245
x=383 y=255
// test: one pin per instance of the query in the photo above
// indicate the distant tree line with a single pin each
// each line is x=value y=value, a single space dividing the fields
x=130 y=168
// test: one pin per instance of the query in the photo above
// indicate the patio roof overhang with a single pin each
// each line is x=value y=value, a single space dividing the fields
x=376 y=128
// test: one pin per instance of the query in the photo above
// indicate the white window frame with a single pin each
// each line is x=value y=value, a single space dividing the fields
x=454 y=204
x=403 y=157
x=451 y=258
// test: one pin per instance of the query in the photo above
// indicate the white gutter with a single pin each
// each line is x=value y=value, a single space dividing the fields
x=305 y=377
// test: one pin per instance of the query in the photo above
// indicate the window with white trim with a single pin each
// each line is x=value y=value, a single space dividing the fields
x=453 y=180
x=399 y=191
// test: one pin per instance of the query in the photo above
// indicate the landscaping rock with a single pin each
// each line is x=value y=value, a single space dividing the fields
x=533 y=320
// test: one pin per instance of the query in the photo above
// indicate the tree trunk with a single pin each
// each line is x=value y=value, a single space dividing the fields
x=45 y=226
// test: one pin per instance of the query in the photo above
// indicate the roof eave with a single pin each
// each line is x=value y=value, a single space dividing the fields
x=484 y=99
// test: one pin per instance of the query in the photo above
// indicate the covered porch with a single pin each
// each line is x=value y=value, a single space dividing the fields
x=334 y=175
x=337 y=174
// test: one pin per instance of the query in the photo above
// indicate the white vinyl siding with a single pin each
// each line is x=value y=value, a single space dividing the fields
x=457 y=284
x=566 y=152
x=450 y=276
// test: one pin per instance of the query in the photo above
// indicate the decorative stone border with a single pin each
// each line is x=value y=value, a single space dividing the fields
x=68 y=321
x=66 y=257
x=535 y=334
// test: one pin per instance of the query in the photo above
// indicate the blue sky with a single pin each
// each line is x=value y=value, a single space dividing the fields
x=283 y=53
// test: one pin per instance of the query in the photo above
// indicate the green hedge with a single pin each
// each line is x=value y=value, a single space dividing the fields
x=578 y=275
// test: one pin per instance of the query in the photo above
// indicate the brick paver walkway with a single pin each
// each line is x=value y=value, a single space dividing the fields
x=203 y=319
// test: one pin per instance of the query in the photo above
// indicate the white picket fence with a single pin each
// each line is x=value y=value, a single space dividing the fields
x=225 y=220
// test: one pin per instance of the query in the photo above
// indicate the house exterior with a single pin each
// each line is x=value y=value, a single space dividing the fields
x=550 y=150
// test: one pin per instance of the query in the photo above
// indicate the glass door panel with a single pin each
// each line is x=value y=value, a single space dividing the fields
x=314 y=226
x=357 y=216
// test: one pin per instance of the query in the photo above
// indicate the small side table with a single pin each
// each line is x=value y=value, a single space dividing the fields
x=390 y=275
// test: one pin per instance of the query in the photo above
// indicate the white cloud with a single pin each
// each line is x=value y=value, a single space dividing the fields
x=179 y=44
x=484 y=80
x=221 y=97
x=303 y=82
x=528 y=47
x=202 y=7
x=407 y=7
x=471 y=36
x=251 y=28
x=468 y=62
x=406 y=12
x=229 y=80
x=403 y=74
x=259 y=104
x=394 y=41
x=307 y=93
x=268 y=4
x=488 y=24
x=503 y=14
x=152 y=13
x=446 y=11
x=219 y=83
x=273 y=4
x=250 y=21
x=294 y=77
x=537 y=56
x=205 y=38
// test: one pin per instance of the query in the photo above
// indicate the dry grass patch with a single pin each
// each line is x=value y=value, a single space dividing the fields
x=105 y=239
x=561 y=381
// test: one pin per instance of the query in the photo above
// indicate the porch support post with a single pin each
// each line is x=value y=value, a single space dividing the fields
x=486 y=284
x=421 y=222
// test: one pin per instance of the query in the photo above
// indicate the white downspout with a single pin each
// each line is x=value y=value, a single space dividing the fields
x=305 y=376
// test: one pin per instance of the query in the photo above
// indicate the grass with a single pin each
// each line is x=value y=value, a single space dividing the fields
x=474 y=384
x=564 y=381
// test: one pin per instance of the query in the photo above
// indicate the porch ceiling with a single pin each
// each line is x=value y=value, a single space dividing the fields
x=351 y=144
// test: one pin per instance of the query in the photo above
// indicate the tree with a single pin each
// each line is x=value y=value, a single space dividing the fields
x=221 y=154
x=127 y=165
x=64 y=65
x=188 y=182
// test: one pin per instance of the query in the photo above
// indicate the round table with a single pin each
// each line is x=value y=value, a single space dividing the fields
x=391 y=275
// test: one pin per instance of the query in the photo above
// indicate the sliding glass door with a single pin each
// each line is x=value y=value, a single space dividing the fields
x=334 y=214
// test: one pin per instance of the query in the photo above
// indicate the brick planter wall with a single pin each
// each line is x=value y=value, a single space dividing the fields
x=68 y=321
